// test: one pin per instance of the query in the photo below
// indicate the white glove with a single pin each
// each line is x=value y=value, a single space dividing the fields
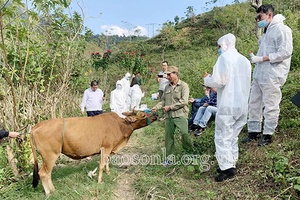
x=256 y=59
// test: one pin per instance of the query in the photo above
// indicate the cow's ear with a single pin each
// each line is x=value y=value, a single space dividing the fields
x=127 y=113
x=134 y=111
x=142 y=115
x=130 y=119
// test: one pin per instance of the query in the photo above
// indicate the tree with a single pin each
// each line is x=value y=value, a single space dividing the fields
x=41 y=57
x=255 y=4
x=190 y=14
x=167 y=34
x=176 y=20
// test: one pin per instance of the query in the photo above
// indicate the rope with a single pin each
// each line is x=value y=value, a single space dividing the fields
x=63 y=134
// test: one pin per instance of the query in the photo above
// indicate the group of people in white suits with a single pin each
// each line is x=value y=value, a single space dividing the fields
x=126 y=96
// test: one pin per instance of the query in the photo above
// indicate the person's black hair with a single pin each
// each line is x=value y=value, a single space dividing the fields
x=165 y=62
x=94 y=82
x=265 y=9
x=134 y=82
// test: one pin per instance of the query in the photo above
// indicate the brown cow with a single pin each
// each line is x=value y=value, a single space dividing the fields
x=80 y=137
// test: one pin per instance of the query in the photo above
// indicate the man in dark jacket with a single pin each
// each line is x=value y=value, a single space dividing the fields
x=204 y=113
x=197 y=103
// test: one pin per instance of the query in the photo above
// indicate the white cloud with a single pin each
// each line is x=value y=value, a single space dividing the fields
x=142 y=31
x=116 y=30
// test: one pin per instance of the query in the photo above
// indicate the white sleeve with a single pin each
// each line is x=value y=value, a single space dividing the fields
x=220 y=74
x=83 y=102
x=101 y=99
x=112 y=100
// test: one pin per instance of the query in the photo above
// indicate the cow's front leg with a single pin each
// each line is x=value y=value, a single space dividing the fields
x=103 y=163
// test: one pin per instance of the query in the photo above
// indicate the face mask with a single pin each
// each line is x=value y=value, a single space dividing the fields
x=119 y=87
x=262 y=24
x=220 y=51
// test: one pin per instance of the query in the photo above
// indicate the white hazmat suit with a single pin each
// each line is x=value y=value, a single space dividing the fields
x=136 y=95
x=232 y=77
x=269 y=76
x=126 y=87
x=118 y=100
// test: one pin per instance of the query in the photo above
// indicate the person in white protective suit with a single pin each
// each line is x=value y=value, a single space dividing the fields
x=118 y=100
x=272 y=65
x=126 y=87
x=232 y=78
x=135 y=94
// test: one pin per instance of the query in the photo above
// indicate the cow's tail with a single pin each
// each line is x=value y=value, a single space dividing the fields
x=36 y=176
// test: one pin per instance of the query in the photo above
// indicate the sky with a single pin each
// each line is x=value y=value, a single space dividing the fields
x=123 y=17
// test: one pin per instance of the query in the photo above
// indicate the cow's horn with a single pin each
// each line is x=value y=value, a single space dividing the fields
x=133 y=111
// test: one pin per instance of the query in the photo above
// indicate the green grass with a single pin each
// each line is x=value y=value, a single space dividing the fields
x=260 y=171
x=71 y=182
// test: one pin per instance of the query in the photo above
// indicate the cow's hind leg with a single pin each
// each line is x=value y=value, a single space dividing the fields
x=103 y=162
x=45 y=172
x=107 y=165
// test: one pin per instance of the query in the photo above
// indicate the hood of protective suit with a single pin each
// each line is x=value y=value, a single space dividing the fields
x=279 y=18
x=227 y=42
x=127 y=75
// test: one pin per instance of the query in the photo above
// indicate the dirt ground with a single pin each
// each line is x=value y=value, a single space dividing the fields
x=124 y=190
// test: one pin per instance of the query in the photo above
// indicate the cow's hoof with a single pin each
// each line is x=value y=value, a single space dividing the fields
x=47 y=194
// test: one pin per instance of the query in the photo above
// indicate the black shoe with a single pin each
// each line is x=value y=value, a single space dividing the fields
x=166 y=163
x=198 y=131
x=194 y=127
x=251 y=136
x=265 y=140
x=225 y=174
x=220 y=171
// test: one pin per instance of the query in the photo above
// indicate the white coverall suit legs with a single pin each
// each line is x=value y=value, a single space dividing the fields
x=226 y=139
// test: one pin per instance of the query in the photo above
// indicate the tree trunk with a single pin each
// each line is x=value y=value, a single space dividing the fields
x=256 y=4
x=163 y=53
x=6 y=76
x=12 y=161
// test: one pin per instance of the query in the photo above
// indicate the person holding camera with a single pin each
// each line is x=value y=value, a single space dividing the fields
x=162 y=79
